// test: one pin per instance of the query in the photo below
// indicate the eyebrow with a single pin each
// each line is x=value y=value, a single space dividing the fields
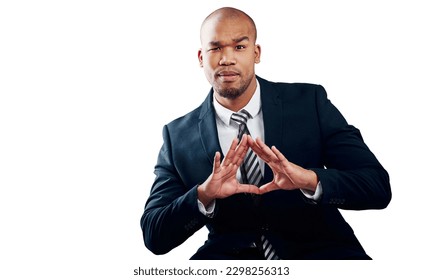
x=236 y=40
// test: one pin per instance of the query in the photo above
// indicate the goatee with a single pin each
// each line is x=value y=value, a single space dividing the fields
x=230 y=93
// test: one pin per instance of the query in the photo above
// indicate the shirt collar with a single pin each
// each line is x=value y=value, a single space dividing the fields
x=253 y=107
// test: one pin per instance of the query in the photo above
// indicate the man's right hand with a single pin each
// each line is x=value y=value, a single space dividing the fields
x=222 y=182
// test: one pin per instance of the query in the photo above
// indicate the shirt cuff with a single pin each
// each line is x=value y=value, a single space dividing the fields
x=317 y=193
x=209 y=211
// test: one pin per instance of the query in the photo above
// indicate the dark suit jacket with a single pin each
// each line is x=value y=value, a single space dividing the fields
x=303 y=124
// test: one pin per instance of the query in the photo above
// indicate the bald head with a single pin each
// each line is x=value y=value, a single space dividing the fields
x=228 y=13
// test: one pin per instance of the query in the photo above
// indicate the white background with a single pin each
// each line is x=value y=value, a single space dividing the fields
x=86 y=87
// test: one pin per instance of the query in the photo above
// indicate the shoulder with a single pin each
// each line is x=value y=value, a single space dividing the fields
x=189 y=121
x=288 y=91
x=289 y=86
x=185 y=121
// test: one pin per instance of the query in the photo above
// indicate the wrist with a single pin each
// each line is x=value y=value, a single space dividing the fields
x=203 y=197
x=312 y=181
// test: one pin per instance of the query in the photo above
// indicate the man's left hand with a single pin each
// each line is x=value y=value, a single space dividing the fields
x=286 y=175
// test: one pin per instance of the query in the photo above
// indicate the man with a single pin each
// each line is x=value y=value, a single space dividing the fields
x=265 y=166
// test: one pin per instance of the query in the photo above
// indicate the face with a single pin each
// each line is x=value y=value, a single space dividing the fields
x=228 y=56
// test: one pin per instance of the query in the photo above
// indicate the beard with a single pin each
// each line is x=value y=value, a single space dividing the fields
x=233 y=92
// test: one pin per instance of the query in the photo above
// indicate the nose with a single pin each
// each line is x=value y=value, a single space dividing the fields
x=227 y=57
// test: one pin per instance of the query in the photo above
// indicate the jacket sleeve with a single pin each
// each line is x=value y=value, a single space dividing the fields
x=352 y=177
x=171 y=213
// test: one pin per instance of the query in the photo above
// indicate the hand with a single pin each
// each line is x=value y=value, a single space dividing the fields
x=286 y=175
x=222 y=181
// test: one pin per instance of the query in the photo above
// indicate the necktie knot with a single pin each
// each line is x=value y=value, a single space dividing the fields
x=241 y=119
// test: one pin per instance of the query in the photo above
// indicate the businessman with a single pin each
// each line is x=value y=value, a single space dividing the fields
x=264 y=165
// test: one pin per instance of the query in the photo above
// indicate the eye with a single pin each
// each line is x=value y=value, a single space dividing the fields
x=240 y=47
x=214 y=49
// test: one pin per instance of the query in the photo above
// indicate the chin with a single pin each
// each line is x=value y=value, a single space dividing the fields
x=229 y=93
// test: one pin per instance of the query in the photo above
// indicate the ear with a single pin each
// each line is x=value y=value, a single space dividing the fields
x=257 y=53
x=200 y=57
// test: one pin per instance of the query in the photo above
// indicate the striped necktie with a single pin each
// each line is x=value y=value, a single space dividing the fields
x=251 y=174
x=250 y=169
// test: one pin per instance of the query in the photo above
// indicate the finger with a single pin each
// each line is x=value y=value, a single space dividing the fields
x=266 y=154
x=228 y=171
x=280 y=156
x=268 y=188
x=244 y=141
x=241 y=151
x=241 y=157
x=255 y=147
x=231 y=152
x=216 y=163
x=287 y=166
x=251 y=142
x=233 y=147
x=246 y=188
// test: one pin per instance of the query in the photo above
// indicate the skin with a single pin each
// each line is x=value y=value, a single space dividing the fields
x=228 y=56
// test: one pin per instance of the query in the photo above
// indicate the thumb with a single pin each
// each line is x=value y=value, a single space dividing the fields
x=268 y=188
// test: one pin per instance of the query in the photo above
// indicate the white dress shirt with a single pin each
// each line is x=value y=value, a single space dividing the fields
x=228 y=130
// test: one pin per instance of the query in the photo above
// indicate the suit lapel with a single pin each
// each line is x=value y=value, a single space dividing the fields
x=272 y=107
x=207 y=128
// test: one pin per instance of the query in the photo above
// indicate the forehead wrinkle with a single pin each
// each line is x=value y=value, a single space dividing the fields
x=235 y=40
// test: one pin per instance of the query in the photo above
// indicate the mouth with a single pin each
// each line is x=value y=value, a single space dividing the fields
x=227 y=76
